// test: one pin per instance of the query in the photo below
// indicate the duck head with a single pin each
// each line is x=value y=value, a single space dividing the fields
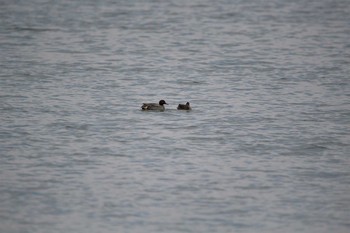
x=162 y=102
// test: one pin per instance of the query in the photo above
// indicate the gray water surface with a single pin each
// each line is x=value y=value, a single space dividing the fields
x=265 y=149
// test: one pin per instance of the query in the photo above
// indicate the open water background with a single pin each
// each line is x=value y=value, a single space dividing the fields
x=265 y=149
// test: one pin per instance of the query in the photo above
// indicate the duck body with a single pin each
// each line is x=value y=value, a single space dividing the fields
x=184 y=106
x=154 y=106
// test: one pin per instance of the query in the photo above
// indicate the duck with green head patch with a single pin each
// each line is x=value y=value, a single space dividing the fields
x=154 y=106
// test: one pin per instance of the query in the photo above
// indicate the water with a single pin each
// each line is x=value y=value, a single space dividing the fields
x=265 y=149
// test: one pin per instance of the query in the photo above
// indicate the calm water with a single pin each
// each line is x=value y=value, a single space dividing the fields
x=265 y=149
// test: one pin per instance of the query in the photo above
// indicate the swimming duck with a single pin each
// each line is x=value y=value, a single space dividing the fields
x=154 y=106
x=184 y=106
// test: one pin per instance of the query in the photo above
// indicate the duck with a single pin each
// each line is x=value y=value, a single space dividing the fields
x=154 y=106
x=184 y=106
